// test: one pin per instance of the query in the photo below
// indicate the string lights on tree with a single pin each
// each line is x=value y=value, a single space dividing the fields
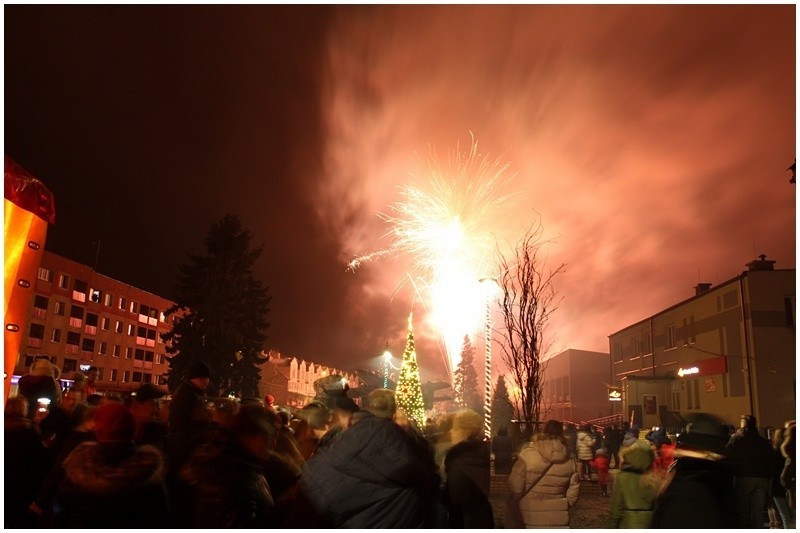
x=409 y=388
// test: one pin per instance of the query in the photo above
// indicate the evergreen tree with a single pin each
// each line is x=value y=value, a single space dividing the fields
x=220 y=313
x=465 y=380
x=409 y=388
x=502 y=411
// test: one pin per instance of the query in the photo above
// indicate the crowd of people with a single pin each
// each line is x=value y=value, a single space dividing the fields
x=79 y=459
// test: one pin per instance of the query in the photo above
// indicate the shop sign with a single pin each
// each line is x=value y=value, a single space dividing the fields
x=614 y=394
x=706 y=367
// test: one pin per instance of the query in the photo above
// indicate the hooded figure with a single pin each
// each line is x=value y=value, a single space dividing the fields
x=544 y=480
x=41 y=382
x=111 y=483
x=635 y=489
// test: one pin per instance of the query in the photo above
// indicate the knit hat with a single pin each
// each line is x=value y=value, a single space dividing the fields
x=269 y=400
x=113 y=422
x=43 y=367
x=382 y=403
x=704 y=432
x=148 y=391
x=197 y=369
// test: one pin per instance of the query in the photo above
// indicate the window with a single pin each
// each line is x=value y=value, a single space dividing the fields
x=59 y=308
x=108 y=299
x=139 y=356
x=104 y=322
x=147 y=378
x=122 y=303
x=148 y=357
x=134 y=307
x=73 y=338
x=41 y=302
x=137 y=377
x=131 y=329
x=112 y=375
x=669 y=336
x=45 y=274
x=63 y=281
x=36 y=331
x=80 y=290
x=103 y=348
x=56 y=335
x=76 y=316
x=70 y=365
x=92 y=319
x=126 y=376
x=116 y=351
x=128 y=352
x=88 y=345
x=160 y=359
x=118 y=327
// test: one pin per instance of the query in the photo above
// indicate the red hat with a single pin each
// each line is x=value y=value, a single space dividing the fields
x=113 y=422
x=269 y=399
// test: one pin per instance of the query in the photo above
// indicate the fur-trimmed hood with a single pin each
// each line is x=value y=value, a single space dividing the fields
x=553 y=450
x=90 y=467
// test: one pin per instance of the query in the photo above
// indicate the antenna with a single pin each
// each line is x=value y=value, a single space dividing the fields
x=97 y=255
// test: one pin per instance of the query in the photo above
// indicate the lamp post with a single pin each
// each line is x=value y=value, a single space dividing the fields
x=490 y=286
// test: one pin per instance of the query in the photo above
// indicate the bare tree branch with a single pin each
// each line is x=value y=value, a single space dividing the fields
x=528 y=301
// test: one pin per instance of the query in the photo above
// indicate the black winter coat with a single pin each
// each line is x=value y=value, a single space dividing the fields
x=466 y=467
x=112 y=486
x=699 y=494
x=25 y=466
x=754 y=454
x=371 y=477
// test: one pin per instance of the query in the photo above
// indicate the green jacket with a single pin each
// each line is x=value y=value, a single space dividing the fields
x=635 y=490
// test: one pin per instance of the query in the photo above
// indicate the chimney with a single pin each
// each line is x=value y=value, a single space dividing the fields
x=761 y=264
x=701 y=288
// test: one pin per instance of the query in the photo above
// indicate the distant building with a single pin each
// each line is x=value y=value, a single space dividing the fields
x=80 y=318
x=575 y=386
x=729 y=350
x=291 y=381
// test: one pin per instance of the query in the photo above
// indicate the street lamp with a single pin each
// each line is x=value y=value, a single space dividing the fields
x=490 y=287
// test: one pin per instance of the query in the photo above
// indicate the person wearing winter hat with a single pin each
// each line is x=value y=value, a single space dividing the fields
x=699 y=490
x=188 y=417
x=635 y=489
x=600 y=465
x=109 y=482
x=150 y=429
x=40 y=382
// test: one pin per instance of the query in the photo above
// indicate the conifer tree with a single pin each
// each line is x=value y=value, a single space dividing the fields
x=502 y=411
x=222 y=316
x=465 y=380
x=409 y=388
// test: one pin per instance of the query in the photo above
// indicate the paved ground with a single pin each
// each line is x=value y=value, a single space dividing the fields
x=591 y=511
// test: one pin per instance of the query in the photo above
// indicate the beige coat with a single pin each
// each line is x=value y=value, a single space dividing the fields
x=547 y=503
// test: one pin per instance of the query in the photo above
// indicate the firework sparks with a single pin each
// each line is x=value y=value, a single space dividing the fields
x=445 y=224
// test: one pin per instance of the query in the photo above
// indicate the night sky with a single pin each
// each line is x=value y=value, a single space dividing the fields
x=653 y=142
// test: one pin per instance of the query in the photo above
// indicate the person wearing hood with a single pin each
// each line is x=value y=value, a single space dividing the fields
x=40 y=382
x=635 y=489
x=112 y=483
x=544 y=481
x=466 y=468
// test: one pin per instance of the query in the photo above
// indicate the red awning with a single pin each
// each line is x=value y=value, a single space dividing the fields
x=27 y=192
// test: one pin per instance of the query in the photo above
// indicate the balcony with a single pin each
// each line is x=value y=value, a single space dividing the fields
x=39 y=313
x=90 y=330
x=141 y=341
x=71 y=349
x=76 y=322
x=79 y=296
x=34 y=342
x=86 y=355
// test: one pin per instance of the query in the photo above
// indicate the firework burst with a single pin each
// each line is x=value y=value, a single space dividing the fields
x=446 y=224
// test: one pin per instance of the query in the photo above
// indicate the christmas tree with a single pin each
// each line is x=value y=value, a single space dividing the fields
x=465 y=380
x=409 y=389
x=502 y=411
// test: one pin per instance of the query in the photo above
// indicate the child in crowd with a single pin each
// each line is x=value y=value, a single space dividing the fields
x=600 y=465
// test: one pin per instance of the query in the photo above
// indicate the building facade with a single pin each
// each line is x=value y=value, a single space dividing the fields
x=575 y=386
x=291 y=381
x=80 y=318
x=729 y=350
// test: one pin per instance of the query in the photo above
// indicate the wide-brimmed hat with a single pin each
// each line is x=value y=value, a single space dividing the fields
x=704 y=433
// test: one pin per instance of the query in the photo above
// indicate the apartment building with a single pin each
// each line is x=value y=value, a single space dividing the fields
x=291 y=381
x=575 y=386
x=80 y=318
x=729 y=350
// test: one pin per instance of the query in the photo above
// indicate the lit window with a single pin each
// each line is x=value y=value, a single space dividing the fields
x=117 y=349
x=59 y=308
x=45 y=274
x=56 y=336
x=63 y=281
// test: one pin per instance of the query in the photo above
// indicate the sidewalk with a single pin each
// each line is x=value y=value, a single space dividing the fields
x=591 y=511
